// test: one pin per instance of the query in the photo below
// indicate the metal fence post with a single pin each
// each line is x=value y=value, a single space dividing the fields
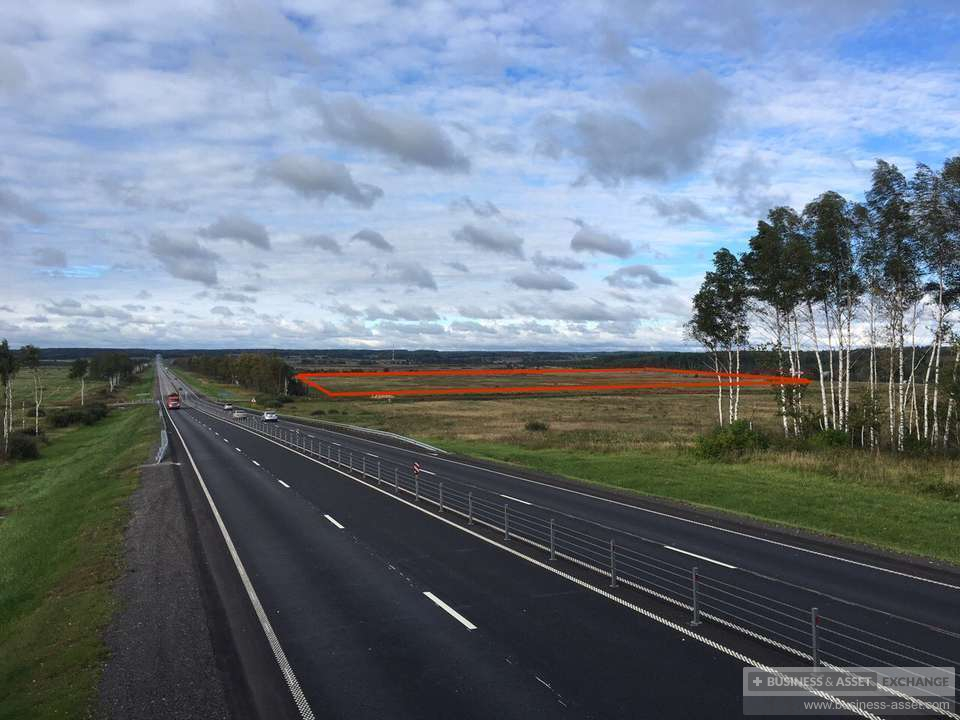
x=363 y=465
x=396 y=480
x=416 y=488
x=696 y=598
x=469 y=508
x=506 y=521
x=613 y=564
x=553 y=541
x=351 y=460
x=378 y=472
x=441 y=496
x=815 y=636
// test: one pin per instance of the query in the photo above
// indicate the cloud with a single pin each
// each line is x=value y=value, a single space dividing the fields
x=589 y=311
x=221 y=310
x=593 y=240
x=13 y=204
x=676 y=210
x=6 y=308
x=13 y=74
x=238 y=228
x=144 y=295
x=50 y=257
x=322 y=242
x=485 y=209
x=236 y=297
x=458 y=266
x=314 y=177
x=750 y=180
x=134 y=308
x=408 y=138
x=421 y=328
x=547 y=281
x=373 y=239
x=185 y=259
x=633 y=277
x=409 y=273
x=471 y=326
x=547 y=262
x=490 y=239
x=480 y=313
x=404 y=312
x=666 y=132
x=72 y=308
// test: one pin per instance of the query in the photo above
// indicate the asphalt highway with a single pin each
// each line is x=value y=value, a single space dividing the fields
x=384 y=610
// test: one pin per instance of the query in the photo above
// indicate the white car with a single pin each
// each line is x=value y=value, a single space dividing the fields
x=228 y=407
x=270 y=416
x=239 y=414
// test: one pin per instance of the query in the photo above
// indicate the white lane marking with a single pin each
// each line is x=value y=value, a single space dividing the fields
x=238 y=450
x=255 y=463
x=659 y=513
x=701 y=557
x=453 y=613
x=650 y=615
x=225 y=440
x=283 y=483
x=427 y=472
x=372 y=455
x=334 y=522
x=303 y=705
x=216 y=433
x=543 y=682
x=510 y=497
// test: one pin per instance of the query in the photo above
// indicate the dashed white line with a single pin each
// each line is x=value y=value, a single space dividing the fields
x=701 y=557
x=334 y=522
x=427 y=472
x=283 y=483
x=542 y=681
x=510 y=497
x=238 y=449
x=255 y=463
x=226 y=441
x=453 y=613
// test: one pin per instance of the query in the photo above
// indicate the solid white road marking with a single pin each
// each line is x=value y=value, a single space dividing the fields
x=255 y=463
x=334 y=522
x=238 y=449
x=427 y=472
x=510 y=497
x=283 y=483
x=303 y=705
x=544 y=682
x=701 y=557
x=453 y=613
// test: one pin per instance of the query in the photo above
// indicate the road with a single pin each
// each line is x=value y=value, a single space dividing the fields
x=383 y=609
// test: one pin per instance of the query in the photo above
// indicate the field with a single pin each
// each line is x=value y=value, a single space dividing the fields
x=61 y=525
x=641 y=441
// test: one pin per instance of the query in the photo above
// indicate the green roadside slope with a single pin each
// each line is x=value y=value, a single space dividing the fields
x=61 y=537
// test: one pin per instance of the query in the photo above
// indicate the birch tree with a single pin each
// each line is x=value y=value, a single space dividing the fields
x=78 y=371
x=8 y=371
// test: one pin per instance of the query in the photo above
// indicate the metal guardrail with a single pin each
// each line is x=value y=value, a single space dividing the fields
x=803 y=632
x=164 y=439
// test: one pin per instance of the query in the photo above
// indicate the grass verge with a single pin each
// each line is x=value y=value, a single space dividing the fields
x=878 y=516
x=60 y=550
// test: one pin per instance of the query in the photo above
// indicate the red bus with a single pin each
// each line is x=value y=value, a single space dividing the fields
x=173 y=401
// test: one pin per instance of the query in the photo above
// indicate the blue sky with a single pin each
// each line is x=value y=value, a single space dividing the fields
x=439 y=174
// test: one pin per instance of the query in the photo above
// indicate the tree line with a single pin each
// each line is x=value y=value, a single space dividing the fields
x=843 y=283
x=263 y=373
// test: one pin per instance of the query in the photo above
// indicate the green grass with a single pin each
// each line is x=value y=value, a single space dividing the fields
x=60 y=551
x=887 y=517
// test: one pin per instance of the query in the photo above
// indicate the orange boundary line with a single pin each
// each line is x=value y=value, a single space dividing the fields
x=735 y=379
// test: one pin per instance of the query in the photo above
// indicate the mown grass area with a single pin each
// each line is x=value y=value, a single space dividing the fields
x=60 y=550
x=643 y=442
x=891 y=516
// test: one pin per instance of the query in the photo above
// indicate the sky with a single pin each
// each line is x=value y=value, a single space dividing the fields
x=448 y=175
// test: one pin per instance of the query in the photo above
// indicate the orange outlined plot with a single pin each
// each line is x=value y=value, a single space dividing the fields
x=709 y=380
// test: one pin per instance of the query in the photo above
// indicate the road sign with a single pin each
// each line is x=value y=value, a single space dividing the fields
x=416 y=468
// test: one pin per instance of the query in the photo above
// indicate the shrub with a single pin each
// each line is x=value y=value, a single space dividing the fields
x=319 y=412
x=88 y=415
x=23 y=447
x=830 y=438
x=731 y=442
x=537 y=426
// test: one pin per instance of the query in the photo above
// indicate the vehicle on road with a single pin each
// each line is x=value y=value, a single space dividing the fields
x=239 y=414
x=173 y=401
x=270 y=416
x=227 y=406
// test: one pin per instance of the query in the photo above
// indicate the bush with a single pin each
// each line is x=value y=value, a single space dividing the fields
x=23 y=447
x=830 y=438
x=88 y=415
x=731 y=442
x=319 y=412
x=537 y=426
